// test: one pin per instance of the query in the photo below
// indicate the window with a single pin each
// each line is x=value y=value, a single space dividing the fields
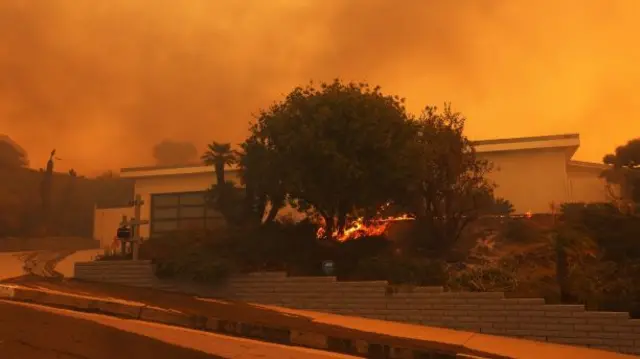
x=182 y=211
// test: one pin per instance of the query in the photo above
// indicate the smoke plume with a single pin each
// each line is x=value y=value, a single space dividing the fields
x=103 y=82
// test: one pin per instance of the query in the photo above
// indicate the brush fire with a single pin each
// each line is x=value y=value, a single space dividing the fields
x=361 y=228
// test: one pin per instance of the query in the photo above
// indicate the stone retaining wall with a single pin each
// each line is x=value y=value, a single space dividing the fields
x=489 y=313
x=132 y=273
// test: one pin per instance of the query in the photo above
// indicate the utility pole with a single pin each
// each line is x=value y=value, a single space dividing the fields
x=135 y=224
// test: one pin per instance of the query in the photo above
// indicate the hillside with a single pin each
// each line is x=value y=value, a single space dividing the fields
x=73 y=201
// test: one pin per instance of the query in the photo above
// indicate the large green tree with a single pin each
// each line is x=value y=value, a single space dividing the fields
x=450 y=189
x=339 y=147
x=261 y=176
x=625 y=170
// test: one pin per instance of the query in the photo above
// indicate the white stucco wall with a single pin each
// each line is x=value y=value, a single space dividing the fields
x=106 y=222
x=586 y=185
x=530 y=179
x=145 y=187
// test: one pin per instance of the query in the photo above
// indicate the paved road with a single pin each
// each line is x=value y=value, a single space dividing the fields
x=30 y=331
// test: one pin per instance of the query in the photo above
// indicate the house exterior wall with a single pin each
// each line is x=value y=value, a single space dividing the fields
x=530 y=179
x=106 y=221
x=585 y=184
x=147 y=186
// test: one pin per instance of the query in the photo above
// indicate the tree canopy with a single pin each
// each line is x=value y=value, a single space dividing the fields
x=343 y=151
x=450 y=189
x=625 y=171
x=339 y=147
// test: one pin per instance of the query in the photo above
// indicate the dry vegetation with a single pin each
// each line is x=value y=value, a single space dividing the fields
x=73 y=201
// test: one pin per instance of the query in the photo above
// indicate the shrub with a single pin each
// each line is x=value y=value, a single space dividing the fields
x=521 y=230
x=615 y=232
x=400 y=270
x=487 y=276
x=113 y=256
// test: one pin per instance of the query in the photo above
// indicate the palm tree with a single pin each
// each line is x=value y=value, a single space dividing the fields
x=219 y=155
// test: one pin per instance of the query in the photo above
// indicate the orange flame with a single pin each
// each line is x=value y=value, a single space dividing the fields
x=359 y=228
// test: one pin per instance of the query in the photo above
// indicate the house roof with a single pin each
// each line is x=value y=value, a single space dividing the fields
x=152 y=171
x=570 y=142
x=593 y=165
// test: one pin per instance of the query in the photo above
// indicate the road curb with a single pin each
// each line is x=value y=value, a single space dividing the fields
x=263 y=332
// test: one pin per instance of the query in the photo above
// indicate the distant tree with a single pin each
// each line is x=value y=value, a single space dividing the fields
x=625 y=171
x=11 y=154
x=339 y=147
x=451 y=189
x=500 y=207
x=46 y=187
x=173 y=153
x=107 y=175
x=47 y=183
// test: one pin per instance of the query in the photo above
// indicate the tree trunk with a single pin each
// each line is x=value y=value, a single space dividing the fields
x=219 y=167
x=329 y=225
x=273 y=212
x=562 y=275
x=342 y=223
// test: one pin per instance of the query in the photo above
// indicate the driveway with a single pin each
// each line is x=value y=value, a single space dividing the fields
x=57 y=263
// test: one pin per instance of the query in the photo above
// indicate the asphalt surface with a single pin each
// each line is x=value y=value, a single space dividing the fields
x=29 y=331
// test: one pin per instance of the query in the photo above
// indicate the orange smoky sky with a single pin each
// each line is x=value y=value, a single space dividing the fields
x=102 y=81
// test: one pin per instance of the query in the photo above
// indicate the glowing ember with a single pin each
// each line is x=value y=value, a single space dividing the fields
x=360 y=228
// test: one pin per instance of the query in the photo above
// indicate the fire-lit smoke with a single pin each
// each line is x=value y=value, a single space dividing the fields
x=104 y=82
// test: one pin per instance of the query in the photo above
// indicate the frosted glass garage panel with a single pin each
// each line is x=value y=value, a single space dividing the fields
x=191 y=224
x=193 y=199
x=192 y=212
x=165 y=226
x=164 y=213
x=165 y=200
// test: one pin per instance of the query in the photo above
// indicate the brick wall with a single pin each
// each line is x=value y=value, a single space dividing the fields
x=132 y=273
x=489 y=313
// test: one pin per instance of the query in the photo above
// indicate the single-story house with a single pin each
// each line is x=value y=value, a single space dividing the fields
x=531 y=172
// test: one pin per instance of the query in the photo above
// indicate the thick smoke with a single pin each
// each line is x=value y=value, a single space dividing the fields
x=172 y=153
x=103 y=83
